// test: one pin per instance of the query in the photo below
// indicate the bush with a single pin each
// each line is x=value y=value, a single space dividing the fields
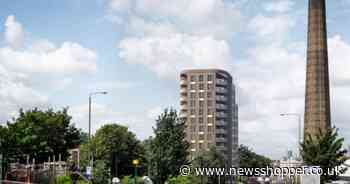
x=130 y=180
x=183 y=180
x=67 y=180
x=63 y=180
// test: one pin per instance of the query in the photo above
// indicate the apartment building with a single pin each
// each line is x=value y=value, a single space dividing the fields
x=208 y=105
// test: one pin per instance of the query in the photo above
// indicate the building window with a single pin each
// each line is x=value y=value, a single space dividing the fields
x=210 y=111
x=200 y=145
x=209 y=136
x=201 y=104
x=193 y=78
x=193 y=87
x=200 y=120
x=201 y=86
x=192 y=95
x=200 y=78
x=209 y=95
x=193 y=128
x=193 y=111
x=193 y=120
x=192 y=103
x=210 y=128
x=193 y=146
x=209 y=86
x=201 y=95
x=210 y=103
x=210 y=78
x=201 y=128
x=210 y=120
x=200 y=112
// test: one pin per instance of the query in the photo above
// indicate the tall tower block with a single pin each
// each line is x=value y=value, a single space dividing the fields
x=317 y=100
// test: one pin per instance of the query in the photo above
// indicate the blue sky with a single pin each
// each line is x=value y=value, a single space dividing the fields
x=53 y=53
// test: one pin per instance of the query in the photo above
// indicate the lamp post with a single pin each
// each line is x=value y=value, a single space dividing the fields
x=90 y=102
x=299 y=127
x=135 y=162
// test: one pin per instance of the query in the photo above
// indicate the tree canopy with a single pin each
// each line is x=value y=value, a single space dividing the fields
x=210 y=159
x=114 y=147
x=169 y=147
x=324 y=150
x=249 y=159
x=39 y=134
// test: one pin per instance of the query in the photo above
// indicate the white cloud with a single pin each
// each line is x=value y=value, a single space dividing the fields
x=14 y=34
x=273 y=29
x=42 y=46
x=22 y=69
x=168 y=55
x=120 y=5
x=216 y=18
x=279 y=6
x=339 y=57
x=69 y=58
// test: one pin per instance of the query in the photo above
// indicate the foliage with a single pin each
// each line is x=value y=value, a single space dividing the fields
x=131 y=180
x=169 y=147
x=180 y=180
x=210 y=159
x=67 y=180
x=100 y=172
x=114 y=141
x=63 y=180
x=40 y=134
x=146 y=144
x=249 y=159
x=324 y=150
x=5 y=146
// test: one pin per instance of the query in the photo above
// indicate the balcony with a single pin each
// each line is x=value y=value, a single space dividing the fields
x=221 y=98
x=183 y=98
x=183 y=107
x=220 y=131
x=221 y=90
x=183 y=114
x=221 y=123
x=221 y=82
x=221 y=107
x=183 y=82
x=221 y=115
x=220 y=139
x=221 y=148
x=183 y=90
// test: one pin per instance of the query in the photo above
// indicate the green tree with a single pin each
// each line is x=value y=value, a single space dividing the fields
x=169 y=147
x=146 y=144
x=249 y=159
x=324 y=150
x=210 y=159
x=41 y=134
x=116 y=143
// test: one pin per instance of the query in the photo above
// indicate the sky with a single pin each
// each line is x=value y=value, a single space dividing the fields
x=54 y=53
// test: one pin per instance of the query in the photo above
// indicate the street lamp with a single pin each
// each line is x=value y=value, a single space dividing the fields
x=90 y=102
x=299 y=126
